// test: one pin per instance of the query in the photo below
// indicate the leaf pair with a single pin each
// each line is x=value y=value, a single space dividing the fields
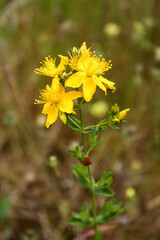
x=108 y=212
x=99 y=188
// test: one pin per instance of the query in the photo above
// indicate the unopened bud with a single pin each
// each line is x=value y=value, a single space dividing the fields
x=75 y=50
x=53 y=161
x=123 y=114
x=86 y=161
x=115 y=109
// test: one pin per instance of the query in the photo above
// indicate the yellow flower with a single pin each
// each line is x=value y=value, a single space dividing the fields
x=123 y=114
x=49 y=68
x=57 y=101
x=89 y=74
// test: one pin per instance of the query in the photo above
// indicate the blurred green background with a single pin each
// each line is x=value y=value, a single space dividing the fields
x=36 y=199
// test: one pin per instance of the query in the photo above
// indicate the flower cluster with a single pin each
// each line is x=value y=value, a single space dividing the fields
x=81 y=68
x=116 y=116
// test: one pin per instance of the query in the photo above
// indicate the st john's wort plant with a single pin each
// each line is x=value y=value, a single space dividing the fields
x=83 y=71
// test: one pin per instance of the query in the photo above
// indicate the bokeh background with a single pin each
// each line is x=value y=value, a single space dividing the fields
x=36 y=199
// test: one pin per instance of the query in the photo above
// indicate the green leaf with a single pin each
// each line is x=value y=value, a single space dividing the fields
x=106 y=179
x=103 y=124
x=82 y=219
x=76 y=153
x=109 y=211
x=73 y=123
x=80 y=171
x=89 y=129
x=104 y=121
x=85 y=211
x=92 y=138
x=102 y=191
x=115 y=127
x=97 y=144
x=102 y=186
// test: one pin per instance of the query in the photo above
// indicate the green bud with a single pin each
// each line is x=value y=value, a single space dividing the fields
x=53 y=161
x=75 y=51
x=115 y=109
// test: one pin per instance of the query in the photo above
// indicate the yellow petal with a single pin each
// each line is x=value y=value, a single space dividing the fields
x=63 y=117
x=63 y=62
x=107 y=83
x=46 y=108
x=55 y=84
x=83 y=47
x=84 y=51
x=64 y=59
x=99 y=83
x=75 y=80
x=89 y=88
x=52 y=115
x=73 y=95
x=61 y=89
x=65 y=105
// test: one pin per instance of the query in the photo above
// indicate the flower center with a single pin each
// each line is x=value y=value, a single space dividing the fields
x=55 y=97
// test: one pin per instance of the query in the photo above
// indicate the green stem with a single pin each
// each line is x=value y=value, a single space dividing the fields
x=89 y=172
x=93 y=201
x=82 y=134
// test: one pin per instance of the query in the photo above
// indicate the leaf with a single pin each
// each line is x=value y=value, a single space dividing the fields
x=85 y=211
x=82 y=219
x=89 y=129
x=115 y=127
x=102 y=191
x=109 y=211
x=103 y=124
x=104 y=121
x=92 y=138
x=106 y=179
x=76 y=153
x=102 y=186
x=73 y=123
x=81 y=174
x=97 y=144
x=81 y=222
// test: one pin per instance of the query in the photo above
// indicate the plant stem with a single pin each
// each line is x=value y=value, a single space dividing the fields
x=93 y=201
x=89 y=173
x=82 y=134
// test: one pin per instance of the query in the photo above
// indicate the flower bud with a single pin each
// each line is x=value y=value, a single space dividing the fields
x=75 y=51
x=86 y=161
x=123 y=114
x=115 y=120
x=53 y=161
x=115 y=109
